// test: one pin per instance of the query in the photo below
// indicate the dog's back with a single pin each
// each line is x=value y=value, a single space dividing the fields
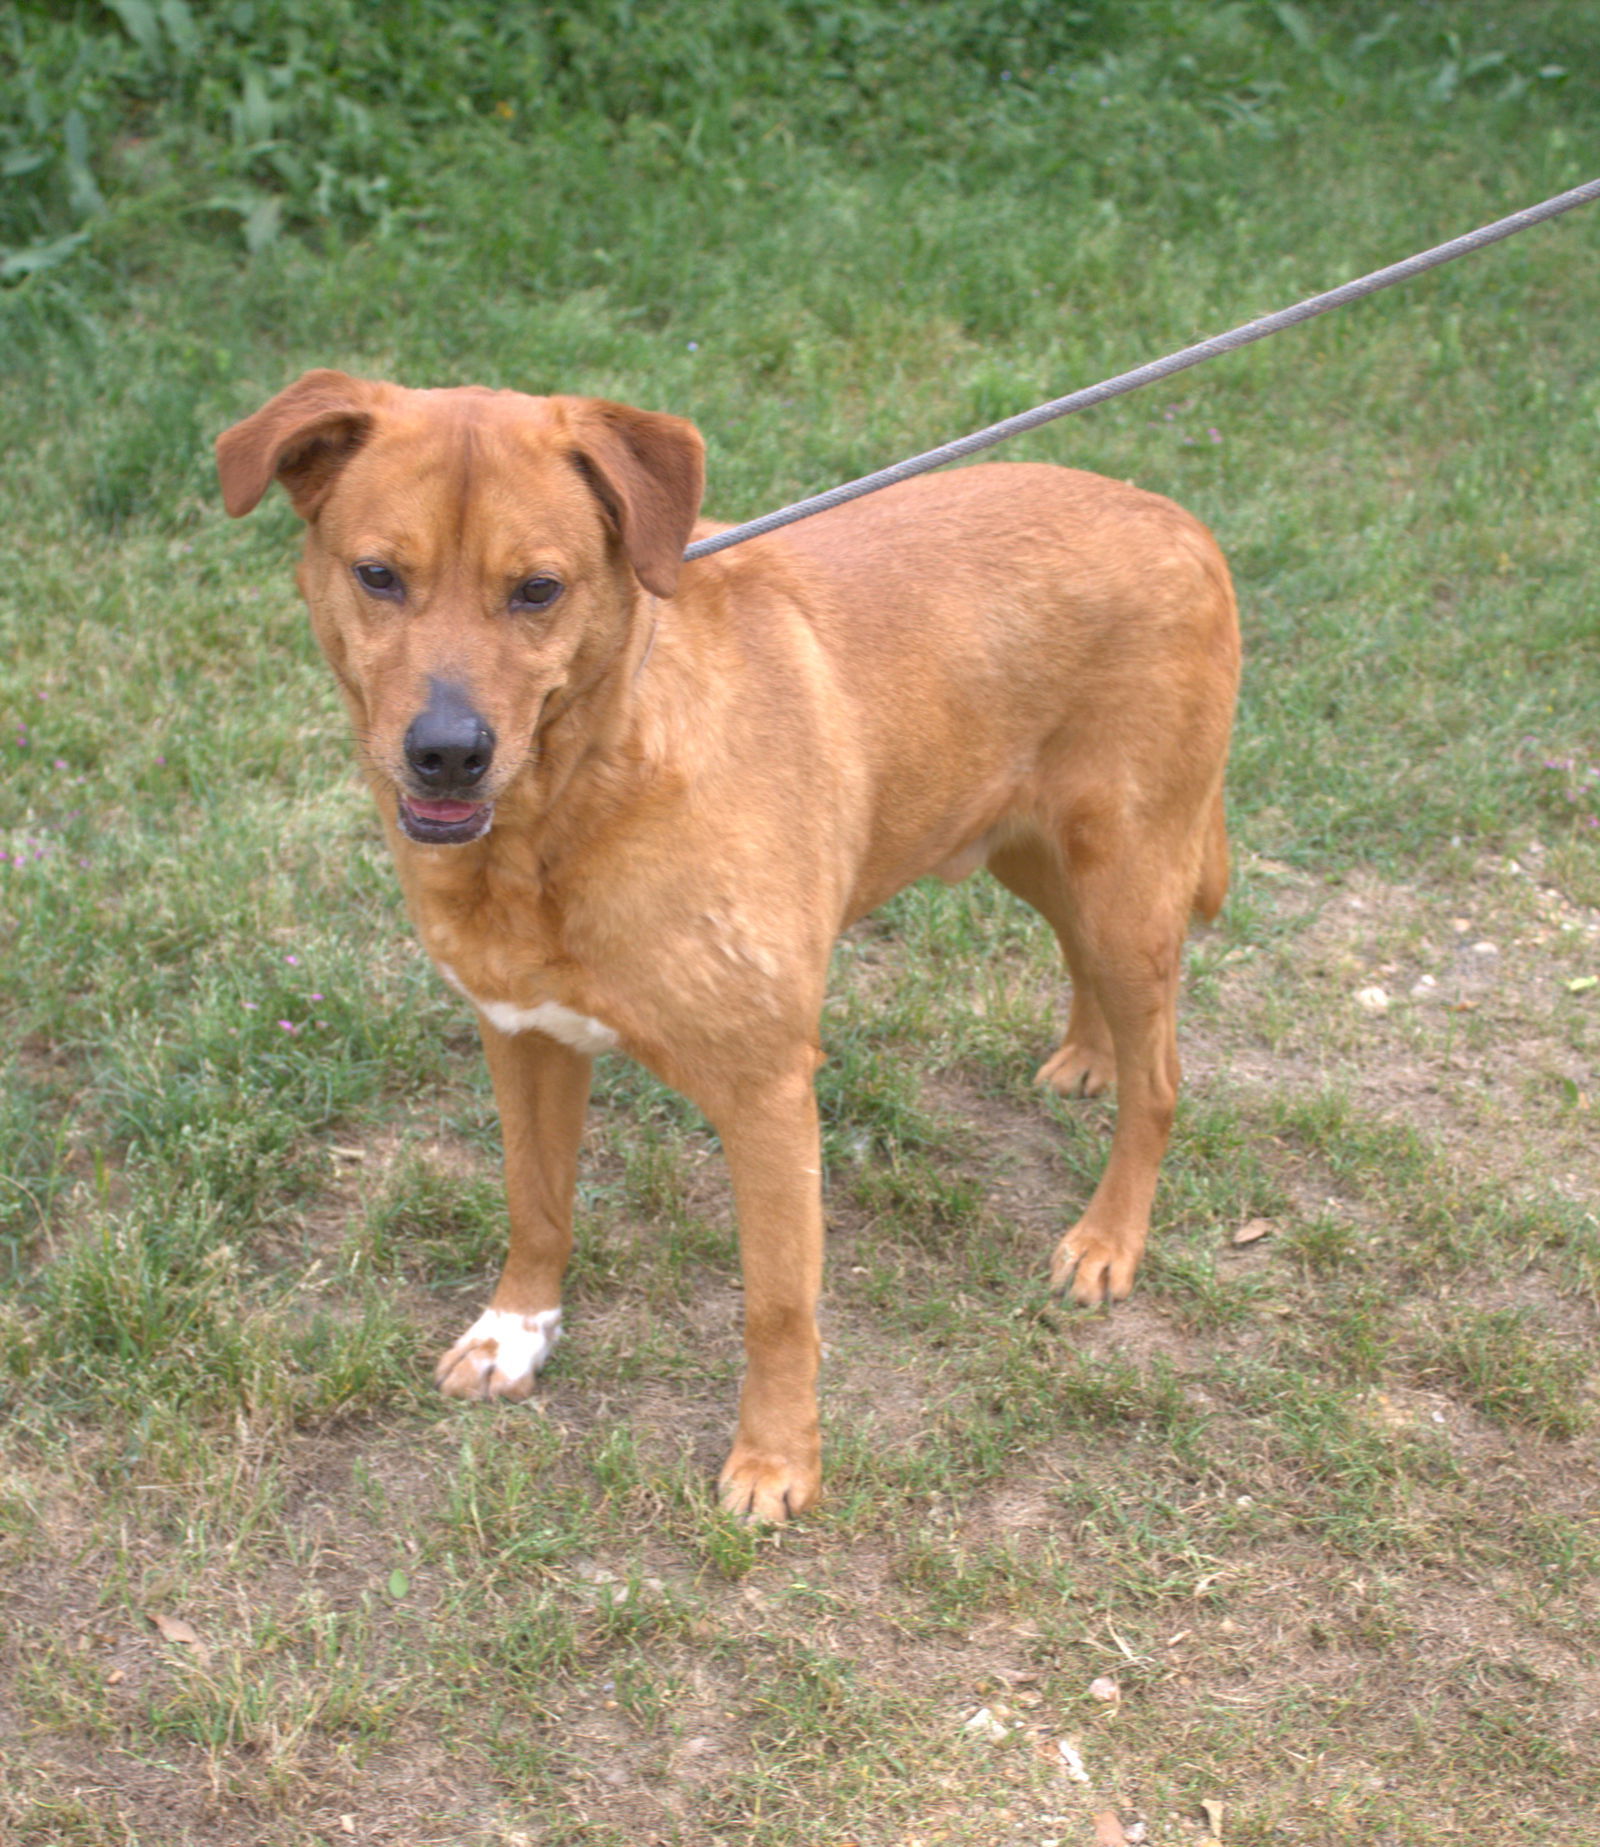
x=1017 y=644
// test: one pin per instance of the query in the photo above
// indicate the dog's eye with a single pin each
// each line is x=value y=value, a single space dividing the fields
x=536 y=592
x=377 y=578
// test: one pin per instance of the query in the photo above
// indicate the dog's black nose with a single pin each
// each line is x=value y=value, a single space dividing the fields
x=450 y=744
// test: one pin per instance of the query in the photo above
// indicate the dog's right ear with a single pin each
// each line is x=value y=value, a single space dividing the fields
x=302 y=437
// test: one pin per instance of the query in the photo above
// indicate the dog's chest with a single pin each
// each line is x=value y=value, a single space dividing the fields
x=508 y=961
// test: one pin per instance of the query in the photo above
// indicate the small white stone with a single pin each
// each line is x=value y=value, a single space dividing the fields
x=1072 y=1759
x=1372 y=1000
x=983 y=1724
x=1486 y=949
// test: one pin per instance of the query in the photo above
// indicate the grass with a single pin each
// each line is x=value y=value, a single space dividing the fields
x=1321 y=1504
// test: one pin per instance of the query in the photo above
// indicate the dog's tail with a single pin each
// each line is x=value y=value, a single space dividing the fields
x=1213 y=884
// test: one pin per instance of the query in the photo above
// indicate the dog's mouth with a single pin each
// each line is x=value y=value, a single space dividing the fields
x=444 y=824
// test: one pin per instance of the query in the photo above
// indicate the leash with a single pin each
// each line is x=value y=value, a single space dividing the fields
x=1148 y=374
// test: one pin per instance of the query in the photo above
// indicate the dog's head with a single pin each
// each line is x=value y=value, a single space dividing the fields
x=474 y=562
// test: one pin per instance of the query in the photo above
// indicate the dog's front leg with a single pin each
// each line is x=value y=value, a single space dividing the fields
x=542 y=1090
x=770 y=1136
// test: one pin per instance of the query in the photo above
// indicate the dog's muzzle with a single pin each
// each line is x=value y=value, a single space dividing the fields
x=445 y=823
x=449 y=747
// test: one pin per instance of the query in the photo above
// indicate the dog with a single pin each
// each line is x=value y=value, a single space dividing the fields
x=633 y=801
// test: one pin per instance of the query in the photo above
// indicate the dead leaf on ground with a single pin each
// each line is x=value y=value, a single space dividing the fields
x=1253 y=1229
x=1108 y=1829
x=175 y=1629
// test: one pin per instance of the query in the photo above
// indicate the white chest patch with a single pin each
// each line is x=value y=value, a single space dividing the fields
x=578 y=1030
x=575 y=1029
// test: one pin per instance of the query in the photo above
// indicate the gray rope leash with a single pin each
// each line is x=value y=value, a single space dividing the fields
x=1148 y=374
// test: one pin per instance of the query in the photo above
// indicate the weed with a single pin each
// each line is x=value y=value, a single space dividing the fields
x=427 y=1221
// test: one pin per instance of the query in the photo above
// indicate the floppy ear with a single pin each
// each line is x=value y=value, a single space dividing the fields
x=649 y=472
x=303 y=437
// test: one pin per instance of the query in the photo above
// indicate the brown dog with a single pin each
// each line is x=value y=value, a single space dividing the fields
x=633 y=802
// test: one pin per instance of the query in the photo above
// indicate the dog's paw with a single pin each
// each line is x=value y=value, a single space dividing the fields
x=499 y=1355
x=1098 y=1265
x=767 y=1488
x=1079 y=1070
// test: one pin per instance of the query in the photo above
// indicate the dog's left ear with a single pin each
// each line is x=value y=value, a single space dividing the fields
x=302 y=437
x=649 y=472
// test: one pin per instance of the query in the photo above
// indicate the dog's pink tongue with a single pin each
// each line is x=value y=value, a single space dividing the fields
x=446 y=812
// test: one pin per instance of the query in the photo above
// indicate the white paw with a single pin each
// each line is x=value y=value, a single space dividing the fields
x=499 y=1354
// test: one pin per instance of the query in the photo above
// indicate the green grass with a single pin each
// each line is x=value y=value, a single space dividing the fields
x=1321 y=1503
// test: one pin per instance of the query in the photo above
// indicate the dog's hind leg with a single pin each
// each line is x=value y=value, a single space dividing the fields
x=1085 y=1063
x=1130 y=901
x=1119 y=900
x=542 y=1090
x=1212 y=886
